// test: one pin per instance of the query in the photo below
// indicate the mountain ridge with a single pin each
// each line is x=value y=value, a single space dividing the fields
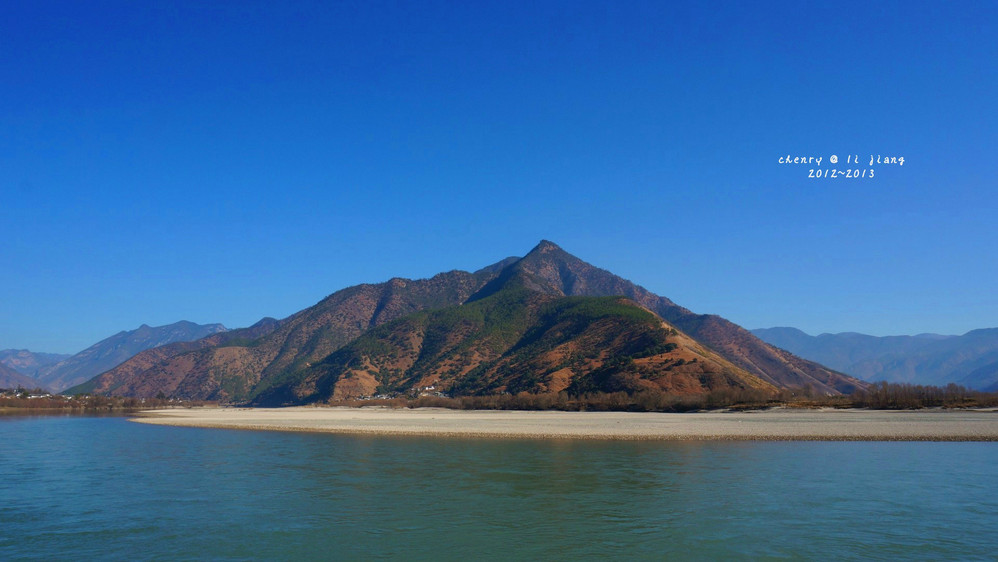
x=115 y=350
x=228 y=372
x=30 y=363
x=970 y=359
x=11 y=379
x=733 y=342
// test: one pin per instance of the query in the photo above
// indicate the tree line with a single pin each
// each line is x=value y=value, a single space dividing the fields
x=38 y=399
x=879 y=396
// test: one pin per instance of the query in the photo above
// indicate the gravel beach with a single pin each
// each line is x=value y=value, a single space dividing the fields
x=776 y=424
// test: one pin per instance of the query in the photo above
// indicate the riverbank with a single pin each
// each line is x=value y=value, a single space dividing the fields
x=776 y=424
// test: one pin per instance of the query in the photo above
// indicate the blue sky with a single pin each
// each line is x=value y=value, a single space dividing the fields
x=225 y=161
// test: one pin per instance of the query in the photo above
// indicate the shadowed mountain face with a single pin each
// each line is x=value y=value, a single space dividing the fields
x=507 y=327
x=117 y=349
x=29 y=363
x=9 y=378
x=970 y=360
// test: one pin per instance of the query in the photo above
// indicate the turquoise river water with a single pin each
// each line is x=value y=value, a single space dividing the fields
x=105 y=488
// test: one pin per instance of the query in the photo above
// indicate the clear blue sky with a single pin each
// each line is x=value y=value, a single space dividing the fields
x=225 y=161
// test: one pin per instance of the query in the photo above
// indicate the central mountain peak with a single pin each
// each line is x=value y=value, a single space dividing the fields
x=545 y=247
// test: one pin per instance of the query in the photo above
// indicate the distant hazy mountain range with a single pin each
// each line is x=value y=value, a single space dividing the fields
x=9 y=378
x=970 y=360
x=542 y=323
x=29 y=363
x=58 y=373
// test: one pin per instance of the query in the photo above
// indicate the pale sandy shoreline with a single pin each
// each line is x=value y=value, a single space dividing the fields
x=770 y=425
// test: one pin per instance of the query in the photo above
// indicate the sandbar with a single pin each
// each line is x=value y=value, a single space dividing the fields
x=779 y=424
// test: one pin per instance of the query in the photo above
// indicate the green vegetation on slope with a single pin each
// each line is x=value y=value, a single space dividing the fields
x=513 y=340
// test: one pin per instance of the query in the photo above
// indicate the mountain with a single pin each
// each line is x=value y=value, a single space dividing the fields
x=9 y=378
x=501 y=328
x=115 y=350
x=29 y=363
x=970 y=360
